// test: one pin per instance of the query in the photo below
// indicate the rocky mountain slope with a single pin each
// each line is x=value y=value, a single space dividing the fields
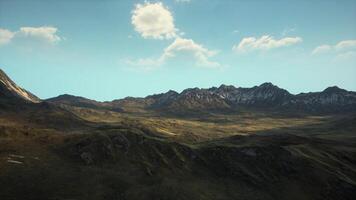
x=10 y=91
x=229 y=99
x=266 y=96
x=17 y=104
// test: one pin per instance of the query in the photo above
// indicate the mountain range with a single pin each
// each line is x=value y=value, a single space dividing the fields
x=223 y=98
x=229 y=99
x=218 y=143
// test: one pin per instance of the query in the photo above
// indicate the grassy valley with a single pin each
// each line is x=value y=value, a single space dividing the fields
x=110 y=155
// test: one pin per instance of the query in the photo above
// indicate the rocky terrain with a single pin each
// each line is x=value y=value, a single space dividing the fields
x=9 y=90
x=217 y=143
x=229 y=99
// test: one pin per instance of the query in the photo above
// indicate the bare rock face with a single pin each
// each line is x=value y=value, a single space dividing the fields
x=331 y=99
x=199 y=99
x=267 y=95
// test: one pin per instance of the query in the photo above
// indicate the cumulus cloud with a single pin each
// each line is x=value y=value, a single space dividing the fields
x=341 y=46
x=45 y=33
x=5 y=36
x=153 y=20
x=265 y=42
x=199 y=54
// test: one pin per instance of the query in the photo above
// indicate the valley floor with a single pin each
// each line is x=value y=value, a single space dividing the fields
x=77 y=153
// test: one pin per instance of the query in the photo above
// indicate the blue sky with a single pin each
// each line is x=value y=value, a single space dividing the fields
x=110 y=49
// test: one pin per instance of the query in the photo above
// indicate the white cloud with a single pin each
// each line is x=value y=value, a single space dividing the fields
x=340 y=46
x=5 y=36
x=46 y=33
x=343 y=51
x=346 y=44
x=153 y=20
x=322 y=49
x=197 y=52
x=265 y=42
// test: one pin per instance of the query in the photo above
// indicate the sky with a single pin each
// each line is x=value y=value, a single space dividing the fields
x=110 y=49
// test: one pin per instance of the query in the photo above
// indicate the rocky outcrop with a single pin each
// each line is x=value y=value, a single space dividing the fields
x=265 y=96
x=331 y=99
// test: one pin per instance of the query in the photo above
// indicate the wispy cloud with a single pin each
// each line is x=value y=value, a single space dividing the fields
x=288 y=30
x=322 y=49
x=199 y=54
x=265 y=42
x=44 y=33
x=342 y=46
x=346 y=44
x=5 y=36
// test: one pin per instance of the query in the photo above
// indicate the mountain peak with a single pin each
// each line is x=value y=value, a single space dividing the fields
x=191 y=90
x=9 y=89
x=172 y=92
x=226 y=87
x=333 y=89
x=267 y=85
